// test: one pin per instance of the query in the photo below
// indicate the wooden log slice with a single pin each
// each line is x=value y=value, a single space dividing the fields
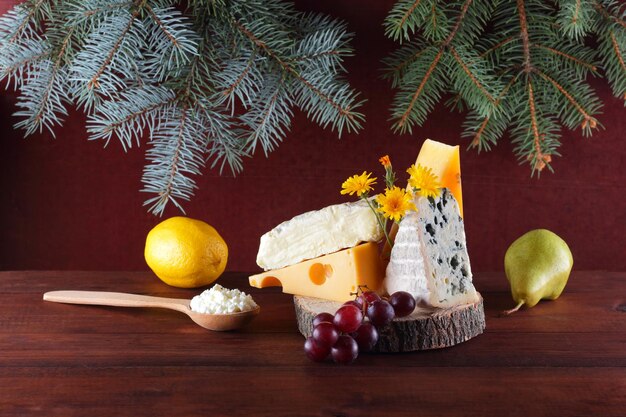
x=425 y=328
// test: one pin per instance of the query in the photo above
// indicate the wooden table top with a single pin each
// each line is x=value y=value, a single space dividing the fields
x=561 y=358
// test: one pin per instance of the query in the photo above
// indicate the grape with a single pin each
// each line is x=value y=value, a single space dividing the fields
x=367 y=298
x=366 y=337
x=348 y=318
x=380 y=313
x=353 y=303
x=403 y=303
x=315 y=351
x=322 y=317
x=345 y=350
x=325 y=334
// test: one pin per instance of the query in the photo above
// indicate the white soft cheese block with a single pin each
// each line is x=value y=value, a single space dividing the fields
x=318 y=233
x=429 y=258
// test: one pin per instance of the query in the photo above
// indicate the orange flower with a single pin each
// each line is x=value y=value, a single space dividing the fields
x=424 y=181
x=385 y=161
x=359 y=184
x=394 y=203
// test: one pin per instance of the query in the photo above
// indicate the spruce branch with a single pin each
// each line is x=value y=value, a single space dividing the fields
x=23 y=20
x=405 y=18
x=176 y=154
x=516 y=66
x=209 y=84
x=617 y=49
x=17 y=59
x=418 y=115
x=589 y=122
x=417 y=107
x=269 y=120
x=135 y=110
x=607 y=13
x=485 y=131
x=579 y=63
x=330 y=102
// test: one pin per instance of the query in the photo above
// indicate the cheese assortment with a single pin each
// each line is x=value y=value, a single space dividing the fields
x=322 y=253
x=429 y=259
x=318 y=233
x=336 y=276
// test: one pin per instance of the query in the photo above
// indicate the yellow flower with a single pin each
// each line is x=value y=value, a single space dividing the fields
x=394 y=203
x=385 y=161
x=359 y=184
x=423 y=179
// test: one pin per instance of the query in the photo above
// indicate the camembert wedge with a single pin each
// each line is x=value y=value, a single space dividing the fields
x=316 y=233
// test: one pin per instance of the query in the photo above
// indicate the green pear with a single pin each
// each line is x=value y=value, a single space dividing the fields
x=537 y=266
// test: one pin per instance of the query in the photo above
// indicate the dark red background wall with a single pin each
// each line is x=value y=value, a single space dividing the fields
x=68 y=203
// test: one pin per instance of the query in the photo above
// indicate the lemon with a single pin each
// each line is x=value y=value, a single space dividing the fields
x=185 y=253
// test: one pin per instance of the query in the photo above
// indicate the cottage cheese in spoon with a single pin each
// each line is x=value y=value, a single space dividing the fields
x=220 y=300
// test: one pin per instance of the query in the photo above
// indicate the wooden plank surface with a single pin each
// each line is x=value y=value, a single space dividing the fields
x=565 y=358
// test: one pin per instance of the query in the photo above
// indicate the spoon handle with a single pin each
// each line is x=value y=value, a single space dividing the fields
x=116 y=299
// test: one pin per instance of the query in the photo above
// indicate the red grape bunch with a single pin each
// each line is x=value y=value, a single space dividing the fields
x=354 y=326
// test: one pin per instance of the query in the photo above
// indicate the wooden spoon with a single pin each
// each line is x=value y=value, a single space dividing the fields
x=219 y=322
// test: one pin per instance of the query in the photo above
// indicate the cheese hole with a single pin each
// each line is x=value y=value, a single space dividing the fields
x=271 y=282
x=447 y=281
x=328 y=271
x=319 y=272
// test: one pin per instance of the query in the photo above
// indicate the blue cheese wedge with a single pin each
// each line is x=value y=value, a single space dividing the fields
x=316 y=233
x=429 y=258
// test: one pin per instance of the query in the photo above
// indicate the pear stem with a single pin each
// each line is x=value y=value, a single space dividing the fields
x=514 y=309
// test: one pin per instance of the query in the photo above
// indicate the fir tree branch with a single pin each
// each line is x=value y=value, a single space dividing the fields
x=43 y=95
x=22 y=63
x=459 y=21
x=138 y=114
x=166 y=194
x=524 y=36
x=433 y=19
x=22 y=27
x=128 y=116
x=566 y=56
x=471 y=75
x=398 y=68
x=406 y=15
x=539 y=156
x=400 y=60
x=177 y=151
x=161 y=26
x=106 y=8
x=344 y=112
x=151 y=67
x=55 y=70
x=271 y=122
x=403 y=119
x=93 y=83
x=497 y=46
x=233 y=86
x=587 y=119
x=17 y=64
x=322 y=54
x=477 y=137
x=476 y=141
x=576 y=13
x=618 y=53
x=607 y=15
x=286 y=67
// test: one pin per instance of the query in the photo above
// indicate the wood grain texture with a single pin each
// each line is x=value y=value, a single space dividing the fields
x=425 y=328
x=564 y=358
